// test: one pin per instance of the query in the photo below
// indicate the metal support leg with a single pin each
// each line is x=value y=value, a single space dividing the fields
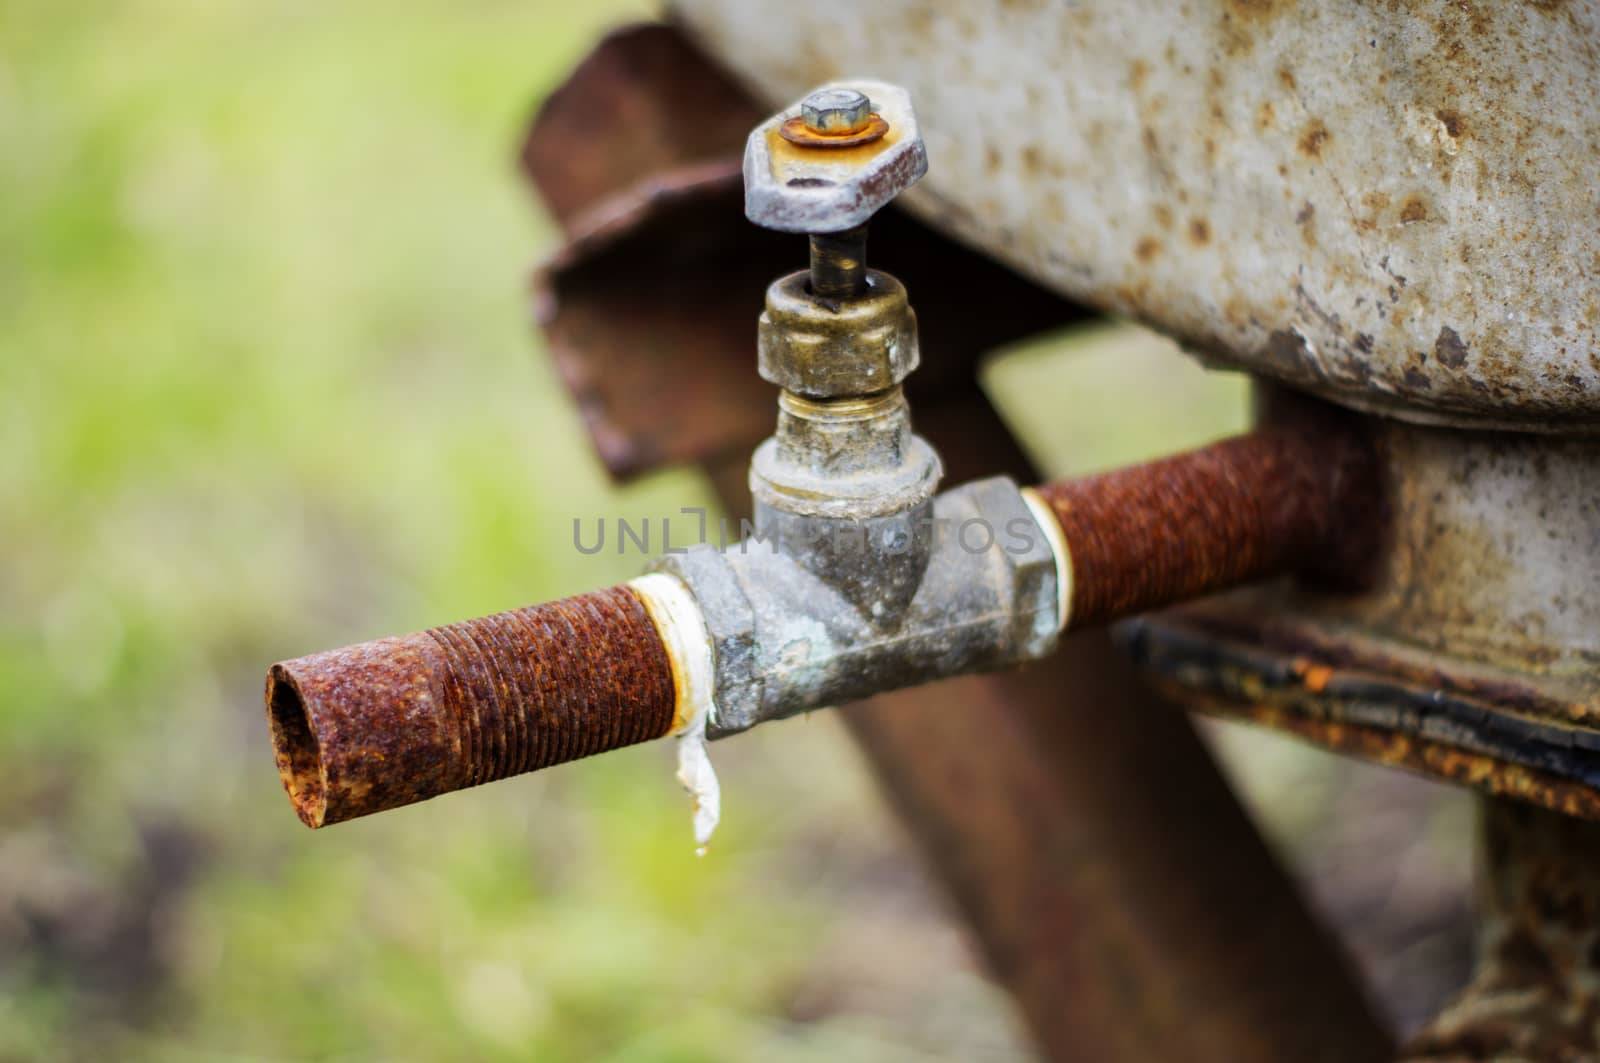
x=1116 y=887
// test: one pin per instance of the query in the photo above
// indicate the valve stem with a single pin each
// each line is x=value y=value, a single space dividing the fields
x=839 y=263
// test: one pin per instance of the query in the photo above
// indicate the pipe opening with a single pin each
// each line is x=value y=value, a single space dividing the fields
x=295 y=745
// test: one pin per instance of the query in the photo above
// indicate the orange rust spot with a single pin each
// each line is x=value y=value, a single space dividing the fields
x=1286 y=78
x=1413 y=209
x=1419 y=754
x=1255 y=9
x=1146 y=249
x=1236 y=38
x=1200 y=231
x=1313 y=138
x=795 y=131
x=1316 y=678
x=1132 y=298
x=1137 y=73
x=785 y=154
x=1452 y=122
x=1266 y=116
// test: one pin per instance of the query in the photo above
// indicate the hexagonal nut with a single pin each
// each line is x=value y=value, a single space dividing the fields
x=836 y=110
x=1030 y=564
x=860 y=346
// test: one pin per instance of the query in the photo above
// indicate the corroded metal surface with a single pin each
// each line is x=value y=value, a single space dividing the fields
x=855 y=344
x=1247 y=657
x=800 y=183
x=1275 y=500
x=839 y=263
x=1470 y=653
x=838 y=114
x=812 y=625
x=386 y=723
x=1493 y=556
x=1391 y=205
x=799 y=133
x=645 y=101
x=1535 y=994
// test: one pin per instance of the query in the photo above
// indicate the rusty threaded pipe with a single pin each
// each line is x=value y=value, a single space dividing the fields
x=1297 y=497
x=386 y=723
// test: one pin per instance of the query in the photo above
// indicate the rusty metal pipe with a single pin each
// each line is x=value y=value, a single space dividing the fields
x=399 y=720
x=386 y=723
x=1288 y=497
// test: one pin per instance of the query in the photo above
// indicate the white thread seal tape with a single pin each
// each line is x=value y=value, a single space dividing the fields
x=683 y=631
x=1045 y=517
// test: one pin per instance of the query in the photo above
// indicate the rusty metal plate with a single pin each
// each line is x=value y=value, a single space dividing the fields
x=1533 y=994
x=1391 y=205
x=643 y=103
x=1251 y=658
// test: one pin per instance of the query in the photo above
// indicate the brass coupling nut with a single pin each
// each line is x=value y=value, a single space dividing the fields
x=823 y=350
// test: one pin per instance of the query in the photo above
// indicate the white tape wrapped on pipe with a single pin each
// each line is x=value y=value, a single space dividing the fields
x=678 y=618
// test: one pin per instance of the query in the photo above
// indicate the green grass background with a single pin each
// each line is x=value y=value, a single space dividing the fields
x=268 y=385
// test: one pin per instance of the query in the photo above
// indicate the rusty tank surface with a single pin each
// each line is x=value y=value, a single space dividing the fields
x=1390 y=205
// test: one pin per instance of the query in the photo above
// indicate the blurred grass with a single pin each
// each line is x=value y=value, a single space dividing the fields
x=268 y=385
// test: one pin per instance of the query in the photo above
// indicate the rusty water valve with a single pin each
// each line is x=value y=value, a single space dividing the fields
x=858 y=577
